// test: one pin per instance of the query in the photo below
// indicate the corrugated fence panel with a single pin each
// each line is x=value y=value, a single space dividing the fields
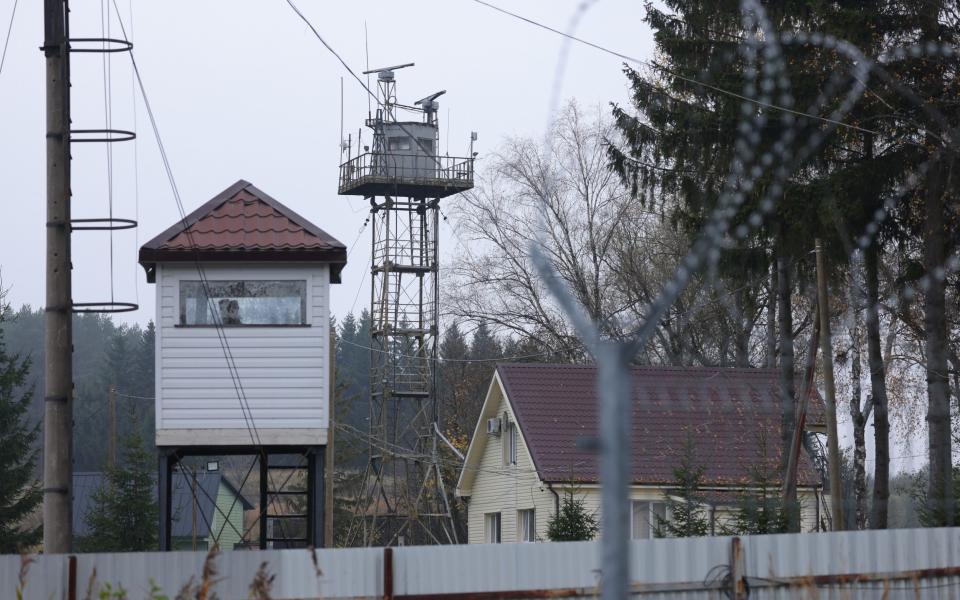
x=674 y=568
x=347 y=573
x=883 y=557
x=494 y=567
x=894 y=564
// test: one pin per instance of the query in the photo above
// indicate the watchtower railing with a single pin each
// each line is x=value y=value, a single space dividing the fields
x=449 y=173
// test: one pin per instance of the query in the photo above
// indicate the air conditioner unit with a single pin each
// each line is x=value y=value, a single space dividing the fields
x=493 y=426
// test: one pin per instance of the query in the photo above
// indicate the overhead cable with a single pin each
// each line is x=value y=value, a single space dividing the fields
x=672 y=73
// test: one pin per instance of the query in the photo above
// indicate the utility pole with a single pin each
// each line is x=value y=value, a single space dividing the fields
x=58 y=342
x=112 y=407
x=826 y=350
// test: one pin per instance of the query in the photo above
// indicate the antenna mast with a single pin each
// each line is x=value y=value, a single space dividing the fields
x=403 y=499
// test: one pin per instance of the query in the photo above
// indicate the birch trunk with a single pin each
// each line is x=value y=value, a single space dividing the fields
x=771 y=358
x=857 y=414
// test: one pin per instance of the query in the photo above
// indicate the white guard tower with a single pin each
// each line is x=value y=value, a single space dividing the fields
x=242 y=350
x=404 y=177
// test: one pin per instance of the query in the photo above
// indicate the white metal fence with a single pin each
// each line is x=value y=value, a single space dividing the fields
x=917 y=563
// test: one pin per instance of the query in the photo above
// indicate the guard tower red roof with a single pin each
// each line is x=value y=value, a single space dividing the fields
x=244 y=224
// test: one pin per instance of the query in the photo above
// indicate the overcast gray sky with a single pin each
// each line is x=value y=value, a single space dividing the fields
x=243 y=90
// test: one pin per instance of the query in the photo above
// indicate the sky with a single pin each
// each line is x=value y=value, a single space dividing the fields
x=243 y=90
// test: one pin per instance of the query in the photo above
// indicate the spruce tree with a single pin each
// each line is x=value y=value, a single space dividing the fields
x=573 y=522
x=760 y=510
x=125 y=513
x=686 y=505
x=19 y=490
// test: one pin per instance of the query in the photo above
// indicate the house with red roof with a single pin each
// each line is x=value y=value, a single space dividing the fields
x=537 y=429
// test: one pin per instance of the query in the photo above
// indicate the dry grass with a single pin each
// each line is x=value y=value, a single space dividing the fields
x=262 y=583
x=25 y=561
x=203 y=590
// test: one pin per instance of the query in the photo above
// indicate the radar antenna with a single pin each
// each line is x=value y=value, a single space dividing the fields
x=430 y=106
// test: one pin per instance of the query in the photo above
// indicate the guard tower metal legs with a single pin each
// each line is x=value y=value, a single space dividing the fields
x=283 y=529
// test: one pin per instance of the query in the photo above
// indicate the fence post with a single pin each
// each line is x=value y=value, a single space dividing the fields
x=71 y=577
x=388 y=573
x=737 y=578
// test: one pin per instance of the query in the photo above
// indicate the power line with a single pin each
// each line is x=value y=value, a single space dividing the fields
x=684 y=78
x=245 y=408
x=107 y=63
x=136 y=170
x=6 y=42
x=451 y=360
x=134 y=397
x=427 y=151
x=218 y=327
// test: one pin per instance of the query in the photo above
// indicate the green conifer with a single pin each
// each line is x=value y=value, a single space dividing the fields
x=686 y=505
x=19 y=491
x=125 y=513
x=573 y=522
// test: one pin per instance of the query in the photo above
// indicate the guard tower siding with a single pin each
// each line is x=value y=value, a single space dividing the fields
x=243 y=324
x=283 y=370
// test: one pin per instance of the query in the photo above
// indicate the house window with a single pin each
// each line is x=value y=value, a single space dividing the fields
x=509 y=441
x=644 y=518
x=491 y=528
x=243 y=302
x=526 y=525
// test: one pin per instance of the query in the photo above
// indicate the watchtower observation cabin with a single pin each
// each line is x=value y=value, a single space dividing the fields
x=243 y=341
x=404 y=159
x=250 y=272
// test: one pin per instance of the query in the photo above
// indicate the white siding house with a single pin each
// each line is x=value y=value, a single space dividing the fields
x=243 y=313
x=524 y=455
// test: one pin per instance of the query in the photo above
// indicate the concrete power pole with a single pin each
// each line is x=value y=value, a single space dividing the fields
x=57 y=414
x=826 y=350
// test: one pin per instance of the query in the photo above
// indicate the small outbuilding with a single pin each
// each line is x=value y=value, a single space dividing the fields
x=243 y=337
x=207 y=509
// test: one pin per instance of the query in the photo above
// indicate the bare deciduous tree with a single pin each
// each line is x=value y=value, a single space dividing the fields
x=568 y=193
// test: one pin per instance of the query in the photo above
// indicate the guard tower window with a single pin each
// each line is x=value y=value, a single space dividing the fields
x=399 y=144
x=243 y=302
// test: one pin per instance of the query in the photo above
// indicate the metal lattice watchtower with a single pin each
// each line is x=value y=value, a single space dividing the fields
x=403 y=499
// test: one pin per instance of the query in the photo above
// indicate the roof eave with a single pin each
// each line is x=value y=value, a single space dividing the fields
x=335 y=257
